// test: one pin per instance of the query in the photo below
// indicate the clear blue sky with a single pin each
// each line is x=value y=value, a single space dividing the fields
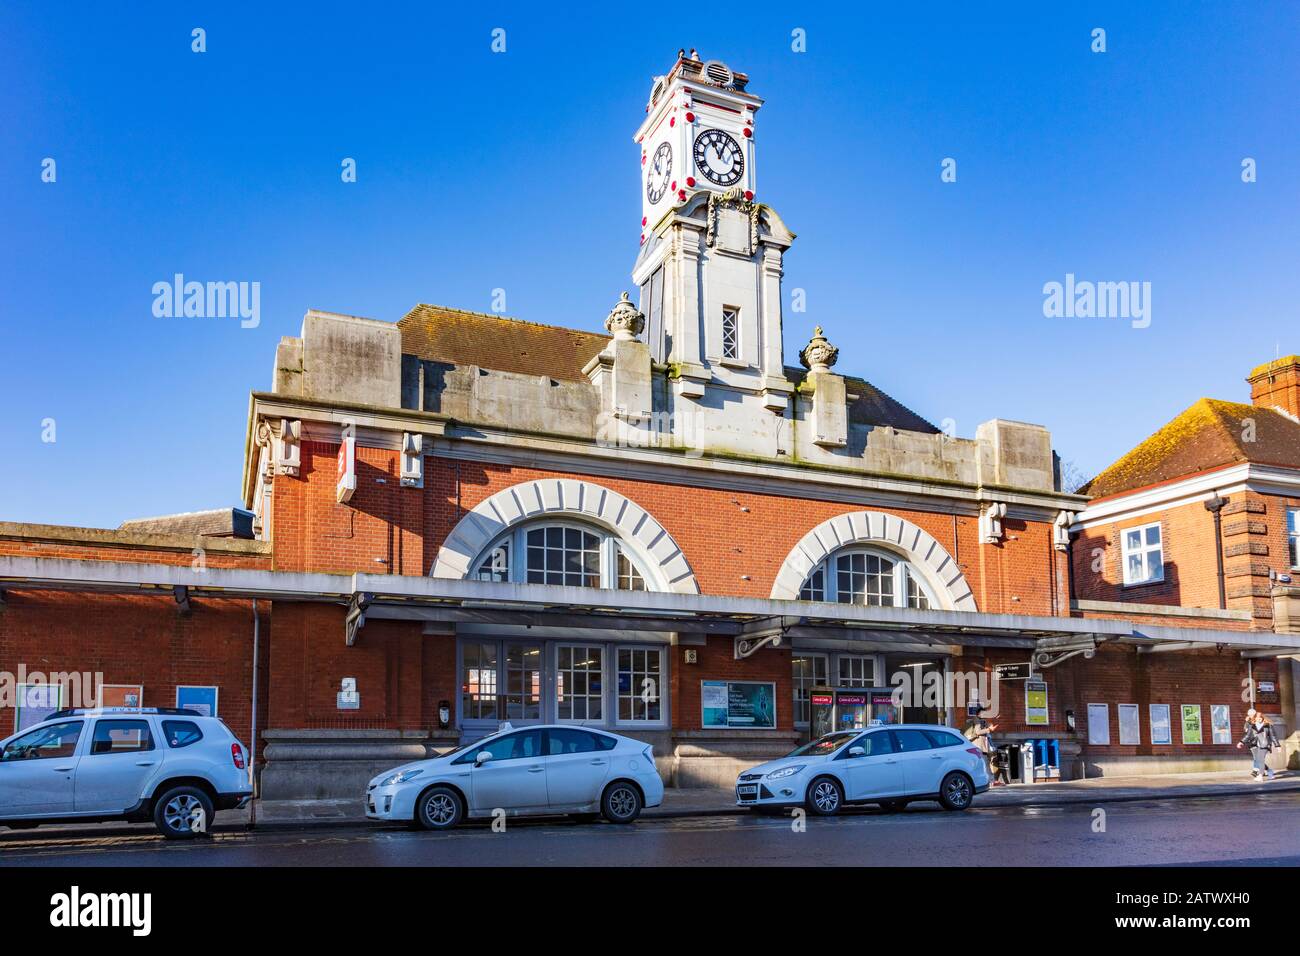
x=479 y=170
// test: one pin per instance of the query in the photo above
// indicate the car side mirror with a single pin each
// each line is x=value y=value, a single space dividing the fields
x=857 y=752
x=483 y=757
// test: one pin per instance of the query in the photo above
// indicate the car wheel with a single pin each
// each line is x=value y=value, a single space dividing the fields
x=893 y=806
x=825 y=797
x=182 y=813
x=621 y=803
x=439 y=808
x=956 y=792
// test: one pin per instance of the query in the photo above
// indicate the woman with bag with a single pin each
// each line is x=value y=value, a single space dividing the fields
x=1261 y=739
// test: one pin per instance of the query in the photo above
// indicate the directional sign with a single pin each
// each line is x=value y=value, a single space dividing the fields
x=1013 y=671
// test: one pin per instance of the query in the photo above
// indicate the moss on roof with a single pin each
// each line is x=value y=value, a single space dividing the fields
x=1209 y=434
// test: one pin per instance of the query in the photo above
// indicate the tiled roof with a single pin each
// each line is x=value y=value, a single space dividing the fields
x=437 y=333
x=1209 y=434
x=218 y=523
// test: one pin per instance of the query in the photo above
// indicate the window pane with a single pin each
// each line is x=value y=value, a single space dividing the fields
x=121 y=736
x=479 y=681
x=579 y=684
x=640 y=684
x=496 y=564
x=1153 y=534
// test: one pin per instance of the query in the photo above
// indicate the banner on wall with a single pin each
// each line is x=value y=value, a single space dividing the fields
x=1192 y=723
x=1099 y=724
x=197 y=698
x=1036 y=703
x=121 y=695
x=1220 y=724
x=1130 y=728
x=736 y=703
x=35 y=703
x=1160 y=730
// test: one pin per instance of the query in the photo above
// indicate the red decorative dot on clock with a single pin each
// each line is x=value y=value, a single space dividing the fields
x=690 y=117
x=643 y=220
x=690 y=181
x=749 y=194
x=672 y=121
x=748 y=131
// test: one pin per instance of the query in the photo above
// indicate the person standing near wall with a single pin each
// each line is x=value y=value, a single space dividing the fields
x=980 y=733
x=1260 y=737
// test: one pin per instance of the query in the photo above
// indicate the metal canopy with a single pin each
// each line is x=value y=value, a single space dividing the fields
x=749 y=621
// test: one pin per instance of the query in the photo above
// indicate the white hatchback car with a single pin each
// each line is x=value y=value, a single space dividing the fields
x=173 y=766
x=888 y=765
x=532 y=770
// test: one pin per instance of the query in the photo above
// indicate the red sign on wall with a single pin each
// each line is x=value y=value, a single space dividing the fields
x=347 y=480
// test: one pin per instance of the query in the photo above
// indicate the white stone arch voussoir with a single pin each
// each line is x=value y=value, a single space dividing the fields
x=568 y=498
x=888 y=532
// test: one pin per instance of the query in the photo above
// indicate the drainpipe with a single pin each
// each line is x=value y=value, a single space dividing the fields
x=1215 y=507
x=252 y=731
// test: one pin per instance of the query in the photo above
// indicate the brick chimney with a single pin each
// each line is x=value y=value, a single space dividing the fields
x=1277 y=385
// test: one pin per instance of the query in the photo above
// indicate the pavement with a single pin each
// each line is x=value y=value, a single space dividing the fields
x=718 y=802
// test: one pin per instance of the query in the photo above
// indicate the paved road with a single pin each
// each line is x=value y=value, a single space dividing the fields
x=1255 y=830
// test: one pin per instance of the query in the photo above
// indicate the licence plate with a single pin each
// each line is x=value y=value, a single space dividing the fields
x=749 y=790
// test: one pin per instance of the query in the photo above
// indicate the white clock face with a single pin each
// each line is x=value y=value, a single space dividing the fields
x=718 y=158
x=659 y=171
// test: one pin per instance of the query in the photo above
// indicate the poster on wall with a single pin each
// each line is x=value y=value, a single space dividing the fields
x=1099 y=725
x=120 y=695
x=1220 y=724
x=35 y=702
x=1130 y=728
x=735 y=703
x=1036 y=703
x=200 y=699
x=1160 y=730
x=1192 y=723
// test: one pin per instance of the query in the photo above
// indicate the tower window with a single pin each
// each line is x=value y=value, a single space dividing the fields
x=730 y=333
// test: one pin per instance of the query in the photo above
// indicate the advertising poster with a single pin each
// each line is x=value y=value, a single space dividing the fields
x=744 y=704
x=1099 y=725
x=1036 y=703
x=1192 y=723
x=1160 y=730
x=1130 y=729
x=121 y=695
x=36 y=702
x=201 y=699
x=1220 y=724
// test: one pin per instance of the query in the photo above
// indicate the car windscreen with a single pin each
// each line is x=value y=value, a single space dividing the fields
x=823 y=745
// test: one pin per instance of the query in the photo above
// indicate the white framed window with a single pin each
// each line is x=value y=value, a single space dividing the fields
x=867 y=577
x=856 y=670
x=580 y=683
x=564 y=553
x=730 y=332
x=640 y=673
x=1293 y=536
x=808 y=671
x=1142 y=554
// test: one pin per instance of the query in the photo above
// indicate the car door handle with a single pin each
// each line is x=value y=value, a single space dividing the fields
x=145 y=763
x=936 y=756
x=536 y=769
x=891 y=761
x=598 y=763
x=63 y=770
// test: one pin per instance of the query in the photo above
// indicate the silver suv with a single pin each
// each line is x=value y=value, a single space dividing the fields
x=174 y=766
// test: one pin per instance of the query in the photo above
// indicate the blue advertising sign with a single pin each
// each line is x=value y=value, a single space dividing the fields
x=201 y=699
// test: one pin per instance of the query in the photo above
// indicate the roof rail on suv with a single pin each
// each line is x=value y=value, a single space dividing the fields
x=85 y=711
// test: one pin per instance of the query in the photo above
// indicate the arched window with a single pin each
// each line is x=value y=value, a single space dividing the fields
x=564 y=553
x=868 y=577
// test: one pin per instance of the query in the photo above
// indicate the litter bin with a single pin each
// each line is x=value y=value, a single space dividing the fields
x=1027 y=762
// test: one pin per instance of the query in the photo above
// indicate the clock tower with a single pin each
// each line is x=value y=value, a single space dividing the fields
x=709 y=267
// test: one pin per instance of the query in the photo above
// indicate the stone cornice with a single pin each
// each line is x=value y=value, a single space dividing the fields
x=114 y=538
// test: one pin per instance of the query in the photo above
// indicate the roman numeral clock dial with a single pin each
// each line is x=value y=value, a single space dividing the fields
x=718 y=158
x=661 y=168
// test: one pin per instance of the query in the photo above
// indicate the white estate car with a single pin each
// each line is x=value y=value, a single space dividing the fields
x=890 y=765
x=532 y=770
x=173 y=766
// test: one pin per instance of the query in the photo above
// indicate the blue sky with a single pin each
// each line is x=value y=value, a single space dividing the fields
x=479 y=171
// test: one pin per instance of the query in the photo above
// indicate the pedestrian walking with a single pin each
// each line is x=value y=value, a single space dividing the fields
x=980 y=733
x=1261 y=739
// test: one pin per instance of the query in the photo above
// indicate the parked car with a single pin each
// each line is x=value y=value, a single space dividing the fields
x=887 y=765
x=532 y=770
x=174 y=766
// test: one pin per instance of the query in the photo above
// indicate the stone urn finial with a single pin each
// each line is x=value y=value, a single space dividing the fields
x=624 y=321
x=819 y=355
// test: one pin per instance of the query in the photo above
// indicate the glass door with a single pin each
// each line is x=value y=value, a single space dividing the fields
x=523 y=683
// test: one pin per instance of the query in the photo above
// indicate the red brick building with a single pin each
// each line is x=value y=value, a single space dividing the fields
x=459 y=519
